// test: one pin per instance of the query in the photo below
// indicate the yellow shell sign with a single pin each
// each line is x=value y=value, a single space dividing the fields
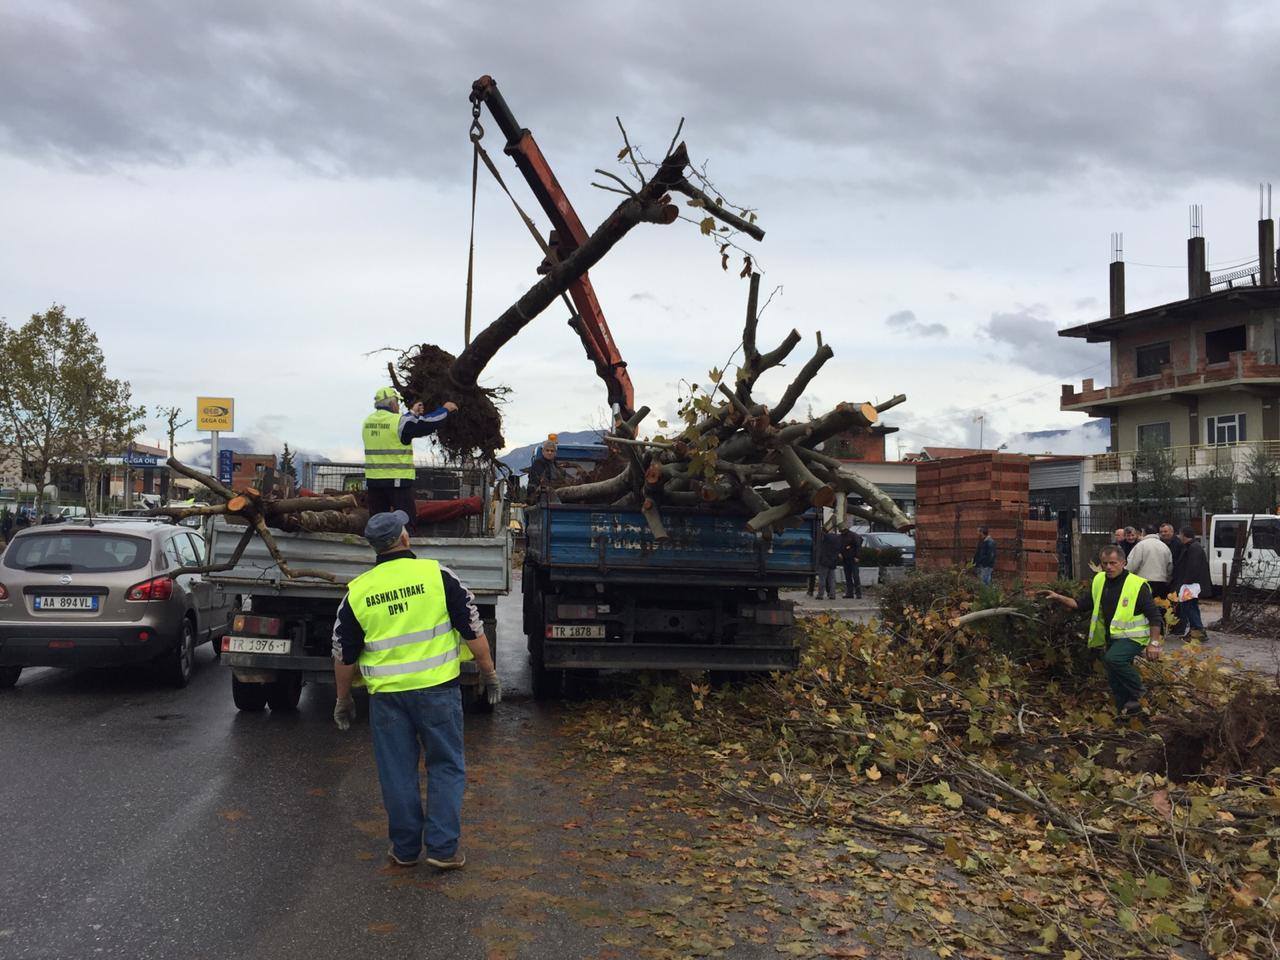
x=215 y=413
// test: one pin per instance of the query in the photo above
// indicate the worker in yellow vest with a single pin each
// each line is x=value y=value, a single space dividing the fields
x=388 y=450
x=406 y=625
x=1124 y=622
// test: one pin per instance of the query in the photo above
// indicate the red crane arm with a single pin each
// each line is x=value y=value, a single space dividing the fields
x=568 y=235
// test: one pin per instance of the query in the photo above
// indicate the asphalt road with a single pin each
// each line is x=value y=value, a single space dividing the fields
x=145 y=822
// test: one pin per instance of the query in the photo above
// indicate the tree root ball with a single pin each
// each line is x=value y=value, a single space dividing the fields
x=475 y=428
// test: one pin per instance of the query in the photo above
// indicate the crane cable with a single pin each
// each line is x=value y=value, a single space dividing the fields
x=479 y=153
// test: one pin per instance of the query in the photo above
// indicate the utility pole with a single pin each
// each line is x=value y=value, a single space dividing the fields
x=981 y=421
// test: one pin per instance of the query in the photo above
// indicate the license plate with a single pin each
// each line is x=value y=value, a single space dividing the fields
x=65 y=603
x=258 y=645
x=577 y=631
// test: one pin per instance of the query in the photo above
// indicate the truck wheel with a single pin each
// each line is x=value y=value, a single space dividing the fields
x=547 y=684
x=251 y=697
x=9 y=676
x=284 y=693
x=180 y=664
x=473 y=702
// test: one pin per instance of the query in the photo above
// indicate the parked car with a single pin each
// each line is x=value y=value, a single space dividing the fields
x=82 y=594
x=1260 y=562
x=904 y=543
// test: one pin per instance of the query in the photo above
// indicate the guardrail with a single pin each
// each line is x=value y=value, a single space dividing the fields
x=1198 y=457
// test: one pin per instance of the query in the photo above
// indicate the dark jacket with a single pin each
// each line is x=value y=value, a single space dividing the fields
x=1111 y=590
x=543 y=473
x=985 y=555
x=1175 y=547
x=1192 y=566
x=829 y=547
x=850 y=544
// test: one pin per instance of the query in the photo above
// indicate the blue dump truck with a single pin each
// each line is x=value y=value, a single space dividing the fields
x=601 y=593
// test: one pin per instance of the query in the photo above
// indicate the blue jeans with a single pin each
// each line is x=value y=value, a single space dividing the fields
x=405 y=725
x=1189 y=610
x=984 y=573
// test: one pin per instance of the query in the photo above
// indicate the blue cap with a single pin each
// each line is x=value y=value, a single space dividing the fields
x=384 y=529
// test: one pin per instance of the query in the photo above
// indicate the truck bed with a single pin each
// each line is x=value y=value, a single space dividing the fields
x=482 y=563
x=583 y=542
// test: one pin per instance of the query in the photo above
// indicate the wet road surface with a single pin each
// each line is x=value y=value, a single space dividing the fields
x=146 y=822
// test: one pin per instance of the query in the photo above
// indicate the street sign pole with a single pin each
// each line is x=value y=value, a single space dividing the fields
x=214 y=471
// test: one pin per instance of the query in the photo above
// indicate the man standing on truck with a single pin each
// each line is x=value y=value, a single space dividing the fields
x=388 y=451
x=545 y=473
x=406 y=625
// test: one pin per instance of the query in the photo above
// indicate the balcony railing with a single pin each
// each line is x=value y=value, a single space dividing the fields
x=1194 y=461
x=1242 y=365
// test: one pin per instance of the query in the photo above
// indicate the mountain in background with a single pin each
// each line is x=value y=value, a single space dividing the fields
x=520 y=458
x=1092 y=436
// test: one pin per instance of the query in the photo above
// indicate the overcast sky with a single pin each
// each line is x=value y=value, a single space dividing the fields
x=248 y=198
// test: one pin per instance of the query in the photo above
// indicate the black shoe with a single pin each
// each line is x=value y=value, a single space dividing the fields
x=1133 y=709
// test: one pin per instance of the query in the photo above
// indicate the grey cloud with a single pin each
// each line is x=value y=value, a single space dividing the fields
x=1033 y=341
x=980 y=93
x=904 y=321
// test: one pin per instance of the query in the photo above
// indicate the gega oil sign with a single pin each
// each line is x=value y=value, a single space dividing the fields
x=215 y=413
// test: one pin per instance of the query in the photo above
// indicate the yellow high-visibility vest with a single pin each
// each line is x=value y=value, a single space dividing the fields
x=1127 y=623
x=385 y=457
x=409 y=641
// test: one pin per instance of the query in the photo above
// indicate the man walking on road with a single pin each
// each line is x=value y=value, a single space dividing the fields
x=388 y=451
x=984 y=558
x=1124 y=622
x=829 y=546
x=1191 y=570
x=406 y=625
x=1152 y=560
x=850 y=545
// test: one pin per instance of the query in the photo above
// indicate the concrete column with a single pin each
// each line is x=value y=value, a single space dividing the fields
x=1271 y=417
x=1117 y=288
x=1267 y=251
x=1196 y=285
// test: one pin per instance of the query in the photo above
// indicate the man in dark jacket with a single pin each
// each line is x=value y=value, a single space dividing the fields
x=850 y=545
x=1191 y=567
x=1171 y=541
x=829 y=546
x=984 y=558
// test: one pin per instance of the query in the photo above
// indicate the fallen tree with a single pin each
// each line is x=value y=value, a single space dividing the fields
x=741 y=456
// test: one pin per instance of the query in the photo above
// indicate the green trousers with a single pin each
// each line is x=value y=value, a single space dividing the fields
x=1122 y=675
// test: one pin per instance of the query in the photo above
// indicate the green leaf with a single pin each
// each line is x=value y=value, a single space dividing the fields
x=1157 y=885
x=1163 y=925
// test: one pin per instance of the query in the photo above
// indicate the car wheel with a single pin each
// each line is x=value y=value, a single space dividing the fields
x=9 y=676
x=180 y=664
x=251 y=697
x=285 y=692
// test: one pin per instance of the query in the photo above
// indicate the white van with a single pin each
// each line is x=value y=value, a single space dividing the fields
x=1260 y=566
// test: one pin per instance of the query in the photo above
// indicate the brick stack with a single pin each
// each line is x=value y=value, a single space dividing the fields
x=957 y=496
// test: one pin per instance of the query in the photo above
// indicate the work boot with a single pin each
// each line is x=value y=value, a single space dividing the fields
x=1132 y=709
x=455 y=862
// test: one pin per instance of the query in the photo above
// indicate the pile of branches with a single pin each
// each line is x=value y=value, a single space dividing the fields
x=260 y=512
x=1074 y=831
x=741 y=456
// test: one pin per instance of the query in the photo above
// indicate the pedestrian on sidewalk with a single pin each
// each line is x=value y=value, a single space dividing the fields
x=829 y=546
x=1124 y=622
x=1152 y=560
x=1190 y=579
x=406 y=626
x=984 y=558
x=850 y=546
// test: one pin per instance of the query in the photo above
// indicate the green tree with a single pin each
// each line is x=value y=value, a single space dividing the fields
x=1156 y=487
x=1258 y=490
x=57 y=404
x=1216 y=487
x=287 y=466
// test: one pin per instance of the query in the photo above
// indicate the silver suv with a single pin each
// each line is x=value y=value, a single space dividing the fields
x=82 y=594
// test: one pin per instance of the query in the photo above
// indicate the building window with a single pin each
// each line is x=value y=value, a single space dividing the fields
x=1225 y=429
x=1152 y=358
x=1154 y=435
x=1220 y=344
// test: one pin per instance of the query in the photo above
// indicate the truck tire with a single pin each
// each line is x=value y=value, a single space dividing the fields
x=9 y=676
x=473 y=702
x=547 y=684
x=250 y=697
x=284 y=694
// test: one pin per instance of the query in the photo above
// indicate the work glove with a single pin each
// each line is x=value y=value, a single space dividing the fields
x=492 y=687
x=344 y=711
